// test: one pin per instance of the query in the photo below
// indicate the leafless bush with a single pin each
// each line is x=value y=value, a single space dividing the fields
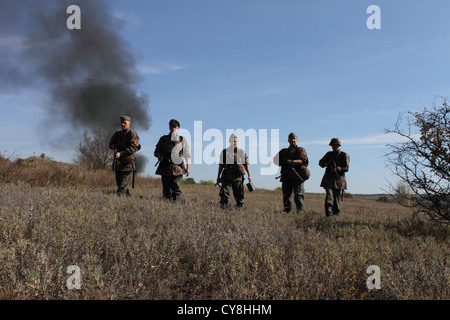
x=7 y=168
x=422 y=161
x=94 y=152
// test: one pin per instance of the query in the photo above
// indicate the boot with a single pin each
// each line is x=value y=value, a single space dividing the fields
x=328 y=210
x=336 y=210
x=300 y=209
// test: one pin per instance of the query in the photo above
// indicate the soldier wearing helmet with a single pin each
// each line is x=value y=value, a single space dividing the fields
x=337 y=164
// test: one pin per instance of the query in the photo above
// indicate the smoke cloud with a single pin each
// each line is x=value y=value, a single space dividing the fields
x=90 y=75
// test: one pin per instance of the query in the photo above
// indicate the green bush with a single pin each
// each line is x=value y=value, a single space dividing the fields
x=207 y=182
x=384 y=199
x=188 y=181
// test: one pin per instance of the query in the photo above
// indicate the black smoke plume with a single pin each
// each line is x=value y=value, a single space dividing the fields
x=90 y=75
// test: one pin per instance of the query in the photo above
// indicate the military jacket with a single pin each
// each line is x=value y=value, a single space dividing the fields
x=172 y=152
x=127 y=144
x=338 y=164
x=291 y=153
x=234 y=161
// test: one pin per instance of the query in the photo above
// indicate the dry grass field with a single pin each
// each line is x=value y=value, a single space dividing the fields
x=143 y=247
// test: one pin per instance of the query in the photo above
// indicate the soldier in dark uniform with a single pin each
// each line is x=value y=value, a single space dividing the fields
x=337 y=163
x=293 y=161
x=125 y=144
x=170 y=151
x=232 y=165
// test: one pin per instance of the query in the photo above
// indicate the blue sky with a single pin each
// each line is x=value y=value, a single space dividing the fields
x=311 y=67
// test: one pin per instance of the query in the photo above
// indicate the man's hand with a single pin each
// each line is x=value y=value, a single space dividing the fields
x=117 y=155
x=287 y=162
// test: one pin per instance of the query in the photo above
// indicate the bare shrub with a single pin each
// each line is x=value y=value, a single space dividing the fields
x=404 y=195
x=347 y=195
x=94 y=152
x=422 y=160
x=7 y=168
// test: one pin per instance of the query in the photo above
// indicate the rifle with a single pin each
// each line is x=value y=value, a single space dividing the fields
x=218 y=182
x=164 y=160
x=294 y=172
x=134 y=173
x=113 y=166
x=332 y=168
x=290 y=166
x=297 y=174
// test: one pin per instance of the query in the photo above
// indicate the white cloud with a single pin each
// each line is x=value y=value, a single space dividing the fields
x=130 y=19
x=160 y=68
x=376 y=139
x=13 y=43
x=18 y=43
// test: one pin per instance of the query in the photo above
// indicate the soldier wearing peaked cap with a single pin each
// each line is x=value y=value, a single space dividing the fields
x=337 y=164
x=170 y=150
x=125 y=144
x=294 y=172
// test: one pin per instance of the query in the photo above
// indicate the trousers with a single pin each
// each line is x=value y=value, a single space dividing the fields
x=295 y=186
x=171 y=187
x=122 y=180
x=332 y=201
x=238 y=192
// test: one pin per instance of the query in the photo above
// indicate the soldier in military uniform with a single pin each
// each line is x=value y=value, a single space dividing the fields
x=170 y=151
x=125 y=144
x=337 y=163
x=232 y=165
x=294 y=172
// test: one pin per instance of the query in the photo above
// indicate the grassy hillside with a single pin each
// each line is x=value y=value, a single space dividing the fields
x=53 y=216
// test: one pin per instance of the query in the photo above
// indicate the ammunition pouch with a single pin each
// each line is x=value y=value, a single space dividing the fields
x=178 y=169
x=239 y=169
x=233 y=171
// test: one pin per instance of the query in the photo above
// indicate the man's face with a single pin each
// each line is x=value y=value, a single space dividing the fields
x=125 y=124
x=235 y=140
x=173 y=129
x=293 y=141
x=335 y=147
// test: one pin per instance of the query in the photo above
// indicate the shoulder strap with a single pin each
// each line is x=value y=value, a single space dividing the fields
x=343 y=156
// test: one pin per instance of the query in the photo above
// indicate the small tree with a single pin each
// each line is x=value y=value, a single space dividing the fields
x=94 y=152
x=404 y=196
x=422 y=160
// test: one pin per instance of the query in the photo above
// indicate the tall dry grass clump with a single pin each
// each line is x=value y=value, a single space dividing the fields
x=145 y=247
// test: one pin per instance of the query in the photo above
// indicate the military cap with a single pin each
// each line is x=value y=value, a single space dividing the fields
x=335 y=141
x=125 y=118
x=292 y=135
x=174 y=123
